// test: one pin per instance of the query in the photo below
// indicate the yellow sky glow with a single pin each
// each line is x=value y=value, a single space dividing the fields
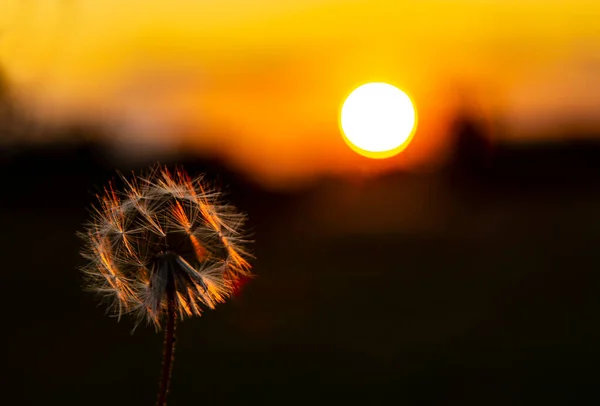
x=272 y=74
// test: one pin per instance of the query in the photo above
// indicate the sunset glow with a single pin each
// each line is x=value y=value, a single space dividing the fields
x=260 y=84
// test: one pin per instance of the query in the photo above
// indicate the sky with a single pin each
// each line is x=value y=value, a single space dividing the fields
x=260 y=82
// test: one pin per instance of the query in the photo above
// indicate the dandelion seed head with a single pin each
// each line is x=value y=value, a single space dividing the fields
x=164 y=231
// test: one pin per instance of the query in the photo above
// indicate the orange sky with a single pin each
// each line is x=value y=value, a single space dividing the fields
x=261 y=81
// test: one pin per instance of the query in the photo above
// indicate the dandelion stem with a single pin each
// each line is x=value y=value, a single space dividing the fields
x=169 y=348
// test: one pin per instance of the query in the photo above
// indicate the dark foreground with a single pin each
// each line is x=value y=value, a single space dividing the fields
x=415 y=290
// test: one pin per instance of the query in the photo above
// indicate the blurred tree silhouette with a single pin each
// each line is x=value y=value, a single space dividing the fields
x=10 y=119
x=471 y=147
x=14 y=123
x=7 y=109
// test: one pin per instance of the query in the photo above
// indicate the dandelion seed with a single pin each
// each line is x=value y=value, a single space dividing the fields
x=162 y=247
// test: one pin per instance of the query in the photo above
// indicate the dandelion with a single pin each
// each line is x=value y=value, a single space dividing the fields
x=164 y=247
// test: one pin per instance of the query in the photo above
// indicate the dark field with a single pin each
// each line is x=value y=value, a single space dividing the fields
x=407 y=289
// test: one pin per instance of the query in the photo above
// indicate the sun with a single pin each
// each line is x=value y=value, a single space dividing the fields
x=378 y=120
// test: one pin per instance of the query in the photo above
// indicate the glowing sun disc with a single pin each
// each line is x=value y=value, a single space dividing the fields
x=378 y=120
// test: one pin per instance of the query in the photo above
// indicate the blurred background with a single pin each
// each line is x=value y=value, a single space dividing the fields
x=461 y=271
